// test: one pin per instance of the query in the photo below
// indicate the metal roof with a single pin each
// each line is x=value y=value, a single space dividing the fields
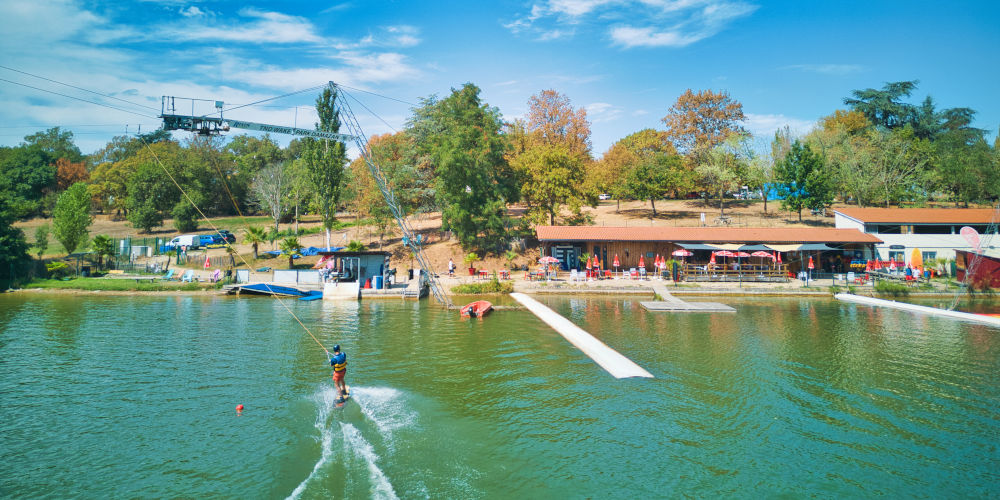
x=919 y=215
x=705 y=234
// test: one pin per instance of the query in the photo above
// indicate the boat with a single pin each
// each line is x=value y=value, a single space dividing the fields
x=477 y=309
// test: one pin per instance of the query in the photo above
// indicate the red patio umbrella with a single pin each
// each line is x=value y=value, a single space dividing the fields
x=877 y=265
x=712 y=260
x=779 y=257
x=742 y=254
x=892 y=264
x=811 y=265
x=868 y=265
x=761 y=253
x=725 y=253
x=597 y=263
x=682 y=252
x=616 y=263
x=642 y=262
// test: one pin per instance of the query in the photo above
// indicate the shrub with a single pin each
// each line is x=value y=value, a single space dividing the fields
x=835 y=289
x=58 y=269
x=891 y=289
x=185 y=217
x=493 y=286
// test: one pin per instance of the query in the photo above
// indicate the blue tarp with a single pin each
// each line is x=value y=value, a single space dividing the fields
x=316 y=250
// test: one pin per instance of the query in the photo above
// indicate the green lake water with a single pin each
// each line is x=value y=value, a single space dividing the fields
x=120 y=397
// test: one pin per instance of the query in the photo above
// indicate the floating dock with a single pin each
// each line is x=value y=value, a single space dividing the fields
x=673 y=304
x=611 y=360
x=274 y=291
x=933 y=311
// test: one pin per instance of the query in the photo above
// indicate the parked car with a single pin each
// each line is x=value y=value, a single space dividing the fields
x=229 y=237
x=604 y=196
x=185 y=240
x=210 y=239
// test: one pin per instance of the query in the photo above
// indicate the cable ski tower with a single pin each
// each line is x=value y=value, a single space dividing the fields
x=214 y=123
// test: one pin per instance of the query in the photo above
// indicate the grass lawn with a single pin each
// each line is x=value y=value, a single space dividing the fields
x=118 y=285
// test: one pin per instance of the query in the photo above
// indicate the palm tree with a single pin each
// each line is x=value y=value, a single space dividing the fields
x=292 y=247
x=254 y=235
x=355 y=246
x=103 y=245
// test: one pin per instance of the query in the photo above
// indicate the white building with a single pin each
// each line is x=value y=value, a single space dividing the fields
x=935 y=231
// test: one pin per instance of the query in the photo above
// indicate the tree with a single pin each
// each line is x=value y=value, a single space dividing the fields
x=699 y=121
x=103 y=245
x=254 y=235
x=185 y=217
x=41 y=240
x=13 y=248
x=899 y=164
x=149 y=196
x=26 y=173
x=325 y=159
x=553 y=176
x=474 y=180
x=721 y=168
x=552 y=120
x=802 y=180
x=292 y=247
x=56 y=143
x=71 y=216
x=883 y=107
x=655 y=174
x=69 y=173
x=270 y=191
x=626 y=154
x=395 y=156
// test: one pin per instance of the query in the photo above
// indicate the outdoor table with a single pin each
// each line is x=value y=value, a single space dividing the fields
x=504 y=274
x=483 y=274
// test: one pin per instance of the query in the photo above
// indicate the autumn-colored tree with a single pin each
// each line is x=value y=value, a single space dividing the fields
x=851 y=122
x=626 y=154
x=552 y=120
x=395 y=156
x=69 y=173
x=699 y=121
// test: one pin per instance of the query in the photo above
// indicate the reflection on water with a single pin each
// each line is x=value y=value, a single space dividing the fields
x=134 y=396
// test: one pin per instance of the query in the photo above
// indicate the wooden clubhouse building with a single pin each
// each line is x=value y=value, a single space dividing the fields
x=832 y=249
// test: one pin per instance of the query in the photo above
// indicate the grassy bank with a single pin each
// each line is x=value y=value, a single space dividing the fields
x=489 y=287
x=118 y=285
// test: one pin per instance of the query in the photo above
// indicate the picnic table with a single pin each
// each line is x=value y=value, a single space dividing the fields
x=723 y=220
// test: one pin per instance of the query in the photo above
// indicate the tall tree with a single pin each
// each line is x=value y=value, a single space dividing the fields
x=395 y=154
x=474 y=180
x=56 y=143
x=71 y=217
x=721 y=168
x=270 y=191
x=325 y=159
x=883 y=107
x=69 y=173
x=699 y=121
x=802 y=180
x=552 y=120
x=899 y=165
x=655 y=175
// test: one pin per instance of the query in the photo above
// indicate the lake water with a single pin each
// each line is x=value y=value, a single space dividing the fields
x=135 y=396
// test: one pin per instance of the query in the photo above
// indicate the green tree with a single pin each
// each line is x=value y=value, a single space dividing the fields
x=26 y=173
x=13 y=248
x=883 y=107
x=71 y=216
x=553 y=177
x=150 y=194
x=103 y=245
x=254 y=235
x=292 y=247
x=41 y=240
x=899 y=165
x=185 y=216
x=474 y=180
x=325 y=160
x=722 y=167
x=802 y=180
x=270 y=191
x=56 y=143
x=654 y=176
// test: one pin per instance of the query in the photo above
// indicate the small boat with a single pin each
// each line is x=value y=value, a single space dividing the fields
x=477 y=309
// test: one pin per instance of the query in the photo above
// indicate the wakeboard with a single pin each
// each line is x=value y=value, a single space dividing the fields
x=344 y=397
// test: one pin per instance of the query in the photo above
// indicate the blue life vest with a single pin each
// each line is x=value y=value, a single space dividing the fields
x=339 y=362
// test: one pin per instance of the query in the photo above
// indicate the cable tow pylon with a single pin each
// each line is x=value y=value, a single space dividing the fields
x=361 y=142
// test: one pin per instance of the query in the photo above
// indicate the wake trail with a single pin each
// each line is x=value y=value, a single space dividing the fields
x=324 y=399
x=356 y=443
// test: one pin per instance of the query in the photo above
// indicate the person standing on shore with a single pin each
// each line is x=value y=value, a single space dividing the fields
x=339 y=363
x=451 y=267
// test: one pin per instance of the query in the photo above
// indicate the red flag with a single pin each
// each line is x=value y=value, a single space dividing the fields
x=208 y=263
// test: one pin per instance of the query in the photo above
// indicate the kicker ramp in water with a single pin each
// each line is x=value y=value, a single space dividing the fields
x=933 y=311
x=611 y=360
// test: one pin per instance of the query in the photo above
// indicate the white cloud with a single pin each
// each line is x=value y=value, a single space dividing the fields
x=192 y=11
x=827 y=69
x=634 y=23
x=640 y=112
x=258 y=27
x=764 y=125
x=599 y=112
x=357 y=69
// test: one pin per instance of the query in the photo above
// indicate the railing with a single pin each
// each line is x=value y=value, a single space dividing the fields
x=743 y=273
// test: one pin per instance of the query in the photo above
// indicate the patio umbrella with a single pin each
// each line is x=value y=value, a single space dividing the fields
x=683 y=252
x=712 y=260
x=811 y=265
x=761 y=253
x=892 y=264
x=779 y=257
x=642 y=262
x=877 y=265
x=616 y=262
x=597 y=263
x=725 y=253
x=916 y=259
x=742 y=254
x=868 y=265
x=548 y=260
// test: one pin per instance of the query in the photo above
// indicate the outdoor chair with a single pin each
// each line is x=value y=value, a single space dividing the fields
x=642 y=273
x=188 y=276
x=633 y=273
x=573 y=275
x=216 y=276
x=169 y=276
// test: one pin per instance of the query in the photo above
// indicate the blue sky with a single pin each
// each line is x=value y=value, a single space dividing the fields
x=624 y=61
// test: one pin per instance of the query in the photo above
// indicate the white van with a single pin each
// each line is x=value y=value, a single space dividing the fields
x=185 y=240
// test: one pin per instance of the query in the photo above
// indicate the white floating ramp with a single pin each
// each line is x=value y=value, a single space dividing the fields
x=933 y=311
x=611 y=360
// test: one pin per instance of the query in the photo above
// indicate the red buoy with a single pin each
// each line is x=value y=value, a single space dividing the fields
x=239 y=408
